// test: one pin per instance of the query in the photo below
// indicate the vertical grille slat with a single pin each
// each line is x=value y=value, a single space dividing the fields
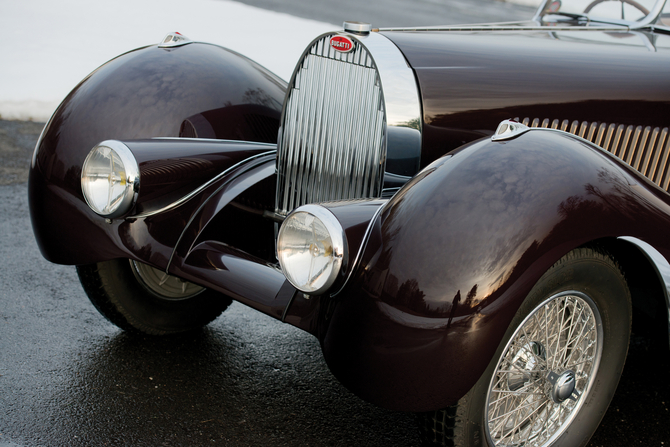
x=644 y=148
x=331 y=143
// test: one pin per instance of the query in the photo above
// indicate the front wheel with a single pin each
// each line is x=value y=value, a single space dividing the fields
x=556 y=370
x=139 y=298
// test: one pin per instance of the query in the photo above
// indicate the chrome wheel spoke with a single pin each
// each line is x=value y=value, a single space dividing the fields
x=547 y=365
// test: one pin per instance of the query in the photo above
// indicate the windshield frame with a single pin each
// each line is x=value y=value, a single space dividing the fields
x=649 y=20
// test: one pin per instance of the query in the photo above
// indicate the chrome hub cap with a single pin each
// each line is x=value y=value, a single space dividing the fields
x=563 y=386
x=547 y=365
x=165 y=286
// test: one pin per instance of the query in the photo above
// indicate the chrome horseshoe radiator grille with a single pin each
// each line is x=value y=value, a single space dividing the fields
x=331 y=143
x=646 y=149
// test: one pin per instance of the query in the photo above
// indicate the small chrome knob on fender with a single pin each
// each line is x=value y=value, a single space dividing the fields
x=357 y=27
x=508 y=129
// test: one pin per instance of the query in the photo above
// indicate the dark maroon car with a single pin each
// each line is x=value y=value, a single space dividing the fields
x=469 y=219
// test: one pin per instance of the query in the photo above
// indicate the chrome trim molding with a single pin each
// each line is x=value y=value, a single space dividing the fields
x=344 y=114
x=364 y=244
x=662 y=268
x=645 y=149
x=512 y=26
x=200 y=188
x=216 y=140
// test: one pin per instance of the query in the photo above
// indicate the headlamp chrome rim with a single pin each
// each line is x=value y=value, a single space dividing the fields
x=131 y=179
x=340 y=251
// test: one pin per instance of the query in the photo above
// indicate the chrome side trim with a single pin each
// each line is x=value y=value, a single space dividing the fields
x=660 y=264
x=199 y=189
x=645 y=149
x=364 y=244
x=216 y=140
x=513 y=26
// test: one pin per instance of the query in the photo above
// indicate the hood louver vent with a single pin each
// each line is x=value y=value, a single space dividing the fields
x=646 y=149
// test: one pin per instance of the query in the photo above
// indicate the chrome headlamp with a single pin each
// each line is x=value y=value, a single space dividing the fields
x=110 y=179
x=312 y=248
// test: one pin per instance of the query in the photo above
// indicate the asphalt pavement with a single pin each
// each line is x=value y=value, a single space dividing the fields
x=70 y=378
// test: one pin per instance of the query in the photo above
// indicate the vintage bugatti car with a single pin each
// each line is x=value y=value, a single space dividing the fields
x=469 y=219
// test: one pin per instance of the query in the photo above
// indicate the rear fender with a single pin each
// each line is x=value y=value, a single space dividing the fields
x=455 y=252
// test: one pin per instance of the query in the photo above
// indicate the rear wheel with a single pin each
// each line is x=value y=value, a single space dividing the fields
x=556 y=370
x=139 y=298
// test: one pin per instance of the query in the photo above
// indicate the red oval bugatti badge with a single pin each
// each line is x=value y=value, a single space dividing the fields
x=342 y=43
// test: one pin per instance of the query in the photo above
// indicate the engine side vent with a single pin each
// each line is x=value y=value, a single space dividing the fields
x=331 y=143
x=646 y=149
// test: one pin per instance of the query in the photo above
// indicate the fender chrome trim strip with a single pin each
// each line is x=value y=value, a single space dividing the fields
x=196 y=191
x=660 y=264
x=364 y=244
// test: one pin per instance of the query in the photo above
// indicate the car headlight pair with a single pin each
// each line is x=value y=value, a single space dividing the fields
x=311 y=245
x=110 y=179
x=312 y=248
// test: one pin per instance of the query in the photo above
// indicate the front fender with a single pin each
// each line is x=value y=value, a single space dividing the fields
x=194 y=90
x=455 y=252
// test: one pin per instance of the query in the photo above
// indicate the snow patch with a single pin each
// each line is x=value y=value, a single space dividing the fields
x=54 y=45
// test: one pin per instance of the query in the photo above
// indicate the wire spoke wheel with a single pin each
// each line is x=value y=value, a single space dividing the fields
x=548 y=364
x=555 y=369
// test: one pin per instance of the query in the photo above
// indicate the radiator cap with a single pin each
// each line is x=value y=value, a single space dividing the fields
x=357 y=27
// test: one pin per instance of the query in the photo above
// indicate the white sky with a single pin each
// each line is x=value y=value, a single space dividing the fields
x=50 y=45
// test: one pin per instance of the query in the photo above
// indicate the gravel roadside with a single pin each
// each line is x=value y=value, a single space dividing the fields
x=17 y=142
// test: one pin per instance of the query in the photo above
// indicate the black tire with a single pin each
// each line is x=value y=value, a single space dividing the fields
x=117 y=290
x=589 y=287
